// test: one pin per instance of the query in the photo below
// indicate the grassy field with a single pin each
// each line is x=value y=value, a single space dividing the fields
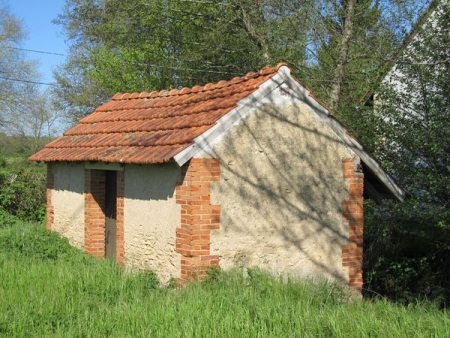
x=49 y=289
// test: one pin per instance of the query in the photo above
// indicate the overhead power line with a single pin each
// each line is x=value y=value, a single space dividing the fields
x=186 y=69
x=27 y=81
x=34 y=51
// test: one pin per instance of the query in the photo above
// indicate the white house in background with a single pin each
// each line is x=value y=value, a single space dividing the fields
x=400 y=76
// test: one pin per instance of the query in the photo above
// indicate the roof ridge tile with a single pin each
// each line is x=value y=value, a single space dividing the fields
x=185 y=90
x=196 y=89
x=235 y=80
x=269 y=70
x=144 y=95
x=250 y=75
x=210 y=86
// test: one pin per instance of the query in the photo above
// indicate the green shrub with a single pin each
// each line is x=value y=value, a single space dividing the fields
x=406 y=254
x=34 y=241
x=23 y=191
x=145 y=280
x=7 y=219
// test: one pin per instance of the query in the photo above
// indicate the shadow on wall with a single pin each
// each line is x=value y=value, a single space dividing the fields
x=68 y=201
x=143 y=182
x=151 y=182
x=281 y=192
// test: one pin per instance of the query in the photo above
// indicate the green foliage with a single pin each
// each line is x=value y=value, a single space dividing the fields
x=22 y=190
x=7 y=219
x=127 y=46
x=408 y=244
x=12 y=146
x=14 y=64
x=371 y=41
x=406 y=254
x=22 y=240
x=415 y=106
x=147 y=280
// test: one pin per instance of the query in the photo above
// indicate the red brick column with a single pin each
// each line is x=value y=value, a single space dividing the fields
x=198 y=218
x=353 y=214
x=120 y=240
x=94 y=217
x=50 y=186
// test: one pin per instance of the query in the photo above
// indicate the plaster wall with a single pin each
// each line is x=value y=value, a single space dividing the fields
x=68 y=202
x=280 y=191
x=151 y=217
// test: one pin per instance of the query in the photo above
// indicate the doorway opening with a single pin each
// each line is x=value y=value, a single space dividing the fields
x=110 y=214
x=104 y=202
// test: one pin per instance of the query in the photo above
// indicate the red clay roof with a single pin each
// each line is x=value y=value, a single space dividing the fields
x=151 y=127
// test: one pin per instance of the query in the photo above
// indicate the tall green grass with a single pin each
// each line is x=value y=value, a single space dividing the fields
x=61 y=292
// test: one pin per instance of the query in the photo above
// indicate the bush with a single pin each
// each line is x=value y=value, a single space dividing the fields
x=34 y=241
x=7 y=220
x=406 y=254
x=23 y=191
x=147 y=280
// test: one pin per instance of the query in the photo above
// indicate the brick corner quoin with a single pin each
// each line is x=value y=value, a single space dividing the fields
x=198 y=217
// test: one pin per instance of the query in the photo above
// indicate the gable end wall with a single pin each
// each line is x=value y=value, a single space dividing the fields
x=281 y=193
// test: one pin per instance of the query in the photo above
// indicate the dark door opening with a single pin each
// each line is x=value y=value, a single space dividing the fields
x=110 y=213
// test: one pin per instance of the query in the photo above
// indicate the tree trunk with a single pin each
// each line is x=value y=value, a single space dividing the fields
x=343 y=53
x=253 y=25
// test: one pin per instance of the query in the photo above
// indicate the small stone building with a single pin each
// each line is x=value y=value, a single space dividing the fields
x=254 y=171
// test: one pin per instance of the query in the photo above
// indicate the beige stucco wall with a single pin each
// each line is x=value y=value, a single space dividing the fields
x=151 y=218
x=68 y=202
x=280 y=192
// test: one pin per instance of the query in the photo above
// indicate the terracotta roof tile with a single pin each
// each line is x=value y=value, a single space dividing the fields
x=151 y=127
x=185 y=90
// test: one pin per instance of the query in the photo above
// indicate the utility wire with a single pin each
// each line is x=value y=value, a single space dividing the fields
x=183 y=69
x=28 y=81
x=34 y=51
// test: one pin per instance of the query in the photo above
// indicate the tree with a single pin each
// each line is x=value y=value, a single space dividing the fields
x=353 y=39
x=415 y=111
x=38 y=120
x=126 y=46
x=15 y=69
x=411 y=243
x=140 y=45
x=77 y=94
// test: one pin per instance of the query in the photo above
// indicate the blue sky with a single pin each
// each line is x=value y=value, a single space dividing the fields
x=43 y=35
